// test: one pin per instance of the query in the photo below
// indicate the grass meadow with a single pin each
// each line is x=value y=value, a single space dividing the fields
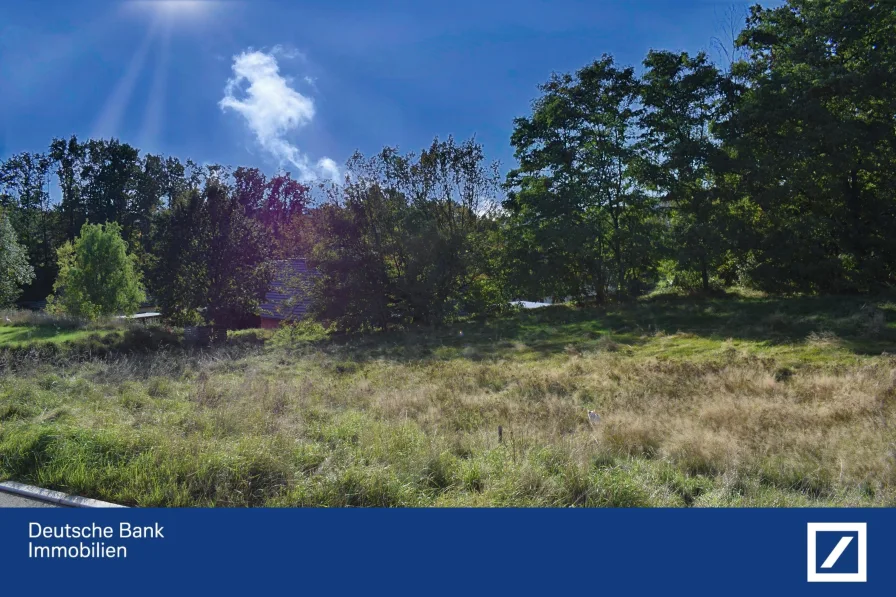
x=733 y=401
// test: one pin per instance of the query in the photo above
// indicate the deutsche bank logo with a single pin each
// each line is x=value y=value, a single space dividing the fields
x=837 y=551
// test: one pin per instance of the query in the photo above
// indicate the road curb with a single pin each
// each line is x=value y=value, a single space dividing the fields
x=56 y=497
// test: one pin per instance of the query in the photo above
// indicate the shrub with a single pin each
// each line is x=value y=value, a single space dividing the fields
x=97 y=276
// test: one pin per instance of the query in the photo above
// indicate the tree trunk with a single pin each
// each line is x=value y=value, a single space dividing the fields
x=704 y=273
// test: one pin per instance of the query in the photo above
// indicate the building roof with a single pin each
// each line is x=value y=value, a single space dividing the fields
x=284 y=299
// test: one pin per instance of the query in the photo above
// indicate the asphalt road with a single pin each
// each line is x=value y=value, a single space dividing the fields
x=11 y=500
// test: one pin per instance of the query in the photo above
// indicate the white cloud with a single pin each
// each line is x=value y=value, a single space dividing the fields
x=328 y=168
x=272 y=110
x=287 y=52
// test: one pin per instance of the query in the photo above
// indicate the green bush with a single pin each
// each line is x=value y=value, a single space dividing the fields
x=97 y=276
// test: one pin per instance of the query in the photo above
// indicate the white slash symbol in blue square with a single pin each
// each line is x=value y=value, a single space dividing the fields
x=837 y=551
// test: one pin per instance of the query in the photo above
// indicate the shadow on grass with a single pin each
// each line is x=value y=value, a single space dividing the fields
x=853 y=324
x=862 y=325
x=56 y=350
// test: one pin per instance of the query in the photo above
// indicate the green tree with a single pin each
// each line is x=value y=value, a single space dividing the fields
x=809 y=127
x=211 y=259
x=579 y=224
x=279 y=205
x=24 y=192
x=177 y=278
x=400 y=242
x=680 y=95
x=109 y=174
x=97 y=276
x=354 y=290
x=14 y=269
x=68 y=156
x=236 y=259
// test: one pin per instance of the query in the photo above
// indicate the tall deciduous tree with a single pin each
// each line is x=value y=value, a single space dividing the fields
x=810 y=128
x=24 y=192
x=68 y=156
x=680 y=95
x=212 y=259
x=177 y=280
x=279 y=205
x=109 y=174
x=579 y=224
x=14 y=269
x=397 y=244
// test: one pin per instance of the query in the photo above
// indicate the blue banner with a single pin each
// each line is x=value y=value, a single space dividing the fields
x=448 y=552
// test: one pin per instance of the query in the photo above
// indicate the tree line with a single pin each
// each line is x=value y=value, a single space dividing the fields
x=775 y=171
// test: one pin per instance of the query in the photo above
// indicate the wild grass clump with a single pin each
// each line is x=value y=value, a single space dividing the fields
x=823 y=339
x=302 y=331
x=88 y=347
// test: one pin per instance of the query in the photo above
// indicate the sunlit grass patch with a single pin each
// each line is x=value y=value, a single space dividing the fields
x=26 y=334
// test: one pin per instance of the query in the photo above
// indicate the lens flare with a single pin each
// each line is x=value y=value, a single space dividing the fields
x=178 y=9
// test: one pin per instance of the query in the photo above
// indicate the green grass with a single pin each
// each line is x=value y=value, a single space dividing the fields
x=22 y=335
x=794 y=331
x=730 y=401
x=32 y=328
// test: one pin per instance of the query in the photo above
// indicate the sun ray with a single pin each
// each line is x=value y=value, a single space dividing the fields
x=177 y=10
x=153 y=117
x=107 y=124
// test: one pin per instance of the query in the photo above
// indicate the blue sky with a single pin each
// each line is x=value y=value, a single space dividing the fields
x=301 y=85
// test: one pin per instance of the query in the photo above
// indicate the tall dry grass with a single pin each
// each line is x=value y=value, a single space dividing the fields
x=316 y=428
